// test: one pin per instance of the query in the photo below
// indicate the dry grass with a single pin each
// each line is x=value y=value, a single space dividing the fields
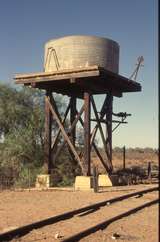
x=134 y=157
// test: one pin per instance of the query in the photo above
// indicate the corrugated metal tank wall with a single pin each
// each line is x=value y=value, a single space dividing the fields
x=81 y=51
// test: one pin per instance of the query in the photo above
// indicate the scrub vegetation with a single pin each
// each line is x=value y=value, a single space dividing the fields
x=22 y=138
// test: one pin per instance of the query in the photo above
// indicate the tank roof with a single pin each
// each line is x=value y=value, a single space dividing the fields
x=81 y=36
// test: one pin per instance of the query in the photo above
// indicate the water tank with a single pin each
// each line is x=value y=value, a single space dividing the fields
x=81 y=51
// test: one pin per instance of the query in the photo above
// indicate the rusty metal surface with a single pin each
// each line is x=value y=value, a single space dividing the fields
x=65 y=136
x=73 y=102
x=109 y=110
x=87 y=148
x=105 y=141
x=48 y=127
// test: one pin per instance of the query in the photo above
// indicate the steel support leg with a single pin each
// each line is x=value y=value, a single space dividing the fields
x=48 y=134
x=72 y=118
x=87 y=149
x=109 y=110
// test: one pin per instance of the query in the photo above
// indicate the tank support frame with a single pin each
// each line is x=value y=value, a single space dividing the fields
x=53 y=148
x=80 y=83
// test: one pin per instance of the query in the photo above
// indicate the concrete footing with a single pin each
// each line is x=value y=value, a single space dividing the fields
x=42 y=181
x=104 y=181
x=83 y=183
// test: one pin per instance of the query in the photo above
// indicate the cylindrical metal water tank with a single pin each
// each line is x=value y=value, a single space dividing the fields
x=81 y=51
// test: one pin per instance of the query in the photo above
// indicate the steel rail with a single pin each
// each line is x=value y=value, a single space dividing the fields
x=21 y=231
x=104 y=224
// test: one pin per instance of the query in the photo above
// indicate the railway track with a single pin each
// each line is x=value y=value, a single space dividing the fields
x=87 y=211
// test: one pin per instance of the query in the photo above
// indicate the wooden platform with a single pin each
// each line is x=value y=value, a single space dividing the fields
x=75 y=82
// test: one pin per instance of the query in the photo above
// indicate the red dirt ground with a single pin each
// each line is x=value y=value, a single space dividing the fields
x=18 y=208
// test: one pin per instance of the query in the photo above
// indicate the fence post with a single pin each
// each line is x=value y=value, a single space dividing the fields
x=95 y=179
x=149 y=172
x=29 y=182
x=124 y=157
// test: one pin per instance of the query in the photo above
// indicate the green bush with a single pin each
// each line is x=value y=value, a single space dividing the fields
x=22 y=139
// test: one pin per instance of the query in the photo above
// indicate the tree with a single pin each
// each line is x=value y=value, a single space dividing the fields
x=22 y=137
x=22 y=128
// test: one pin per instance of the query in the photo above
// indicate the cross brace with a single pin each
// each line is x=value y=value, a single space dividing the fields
x=53 y=147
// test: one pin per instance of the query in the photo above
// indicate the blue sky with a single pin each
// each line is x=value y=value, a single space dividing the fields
x=25 y=26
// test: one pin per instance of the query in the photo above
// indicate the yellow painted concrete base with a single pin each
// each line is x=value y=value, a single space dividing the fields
x=104 y=181
x=84 y=183
x=43 y=181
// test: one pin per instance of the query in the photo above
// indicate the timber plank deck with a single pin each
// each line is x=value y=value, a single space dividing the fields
x=94 y=79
